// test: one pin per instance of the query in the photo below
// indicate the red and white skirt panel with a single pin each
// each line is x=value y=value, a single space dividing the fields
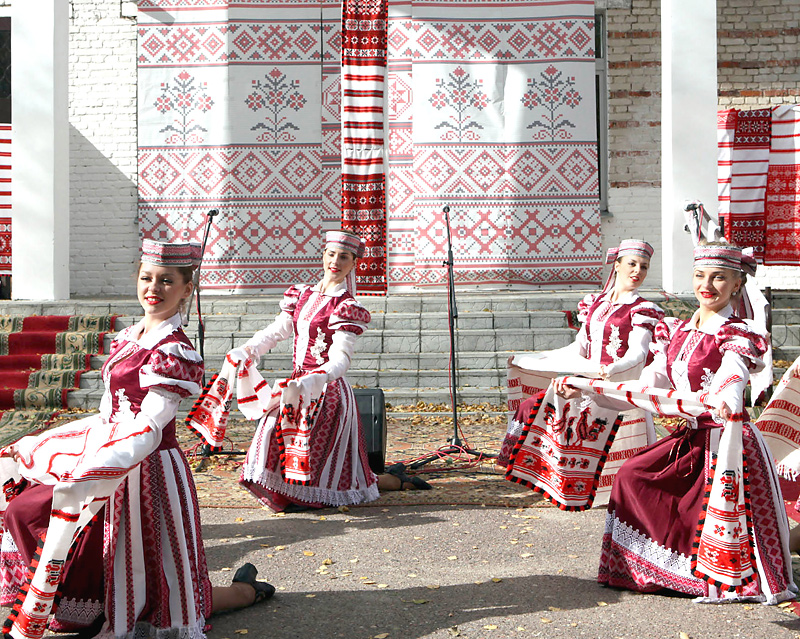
x=339 y=468
x=647 y=549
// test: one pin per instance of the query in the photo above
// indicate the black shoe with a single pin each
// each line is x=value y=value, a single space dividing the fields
x=247 y=575
x=399 y=471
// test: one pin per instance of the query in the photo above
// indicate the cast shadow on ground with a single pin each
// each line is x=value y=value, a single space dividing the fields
x=411 y=613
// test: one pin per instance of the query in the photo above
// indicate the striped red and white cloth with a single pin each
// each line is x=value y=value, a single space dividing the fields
x=783 y=188
x=363 y=106
x=5 y=199
x=726 y=130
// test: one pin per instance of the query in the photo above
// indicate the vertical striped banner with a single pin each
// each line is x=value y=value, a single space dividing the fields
x=5 y=199
x=363 y=107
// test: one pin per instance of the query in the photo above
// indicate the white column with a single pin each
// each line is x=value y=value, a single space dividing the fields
x=40 y=186
x=688 y=128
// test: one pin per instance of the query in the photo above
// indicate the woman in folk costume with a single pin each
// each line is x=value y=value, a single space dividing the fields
x=613 y=343
x=658 y=533
x=120 y=484
x=325 y=463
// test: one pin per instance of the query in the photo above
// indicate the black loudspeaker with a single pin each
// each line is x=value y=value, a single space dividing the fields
x=372 y=410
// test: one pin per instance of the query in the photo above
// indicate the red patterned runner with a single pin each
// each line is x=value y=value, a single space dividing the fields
x=363 y=176
x=783 y=189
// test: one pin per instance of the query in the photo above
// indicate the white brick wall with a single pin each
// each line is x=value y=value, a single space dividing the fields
x=104 y=231
x=102 y=113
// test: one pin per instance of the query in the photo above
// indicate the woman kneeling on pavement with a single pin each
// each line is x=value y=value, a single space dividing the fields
x=657 y=532
x=102 y=525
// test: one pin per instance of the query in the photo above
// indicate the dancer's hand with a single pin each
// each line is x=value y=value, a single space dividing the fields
x=603 y=373
x=240 y=354
x=10 y=451
x=562 y=389
x=724 y=412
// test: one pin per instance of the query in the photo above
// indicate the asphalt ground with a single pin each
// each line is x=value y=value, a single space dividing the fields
x=410 y=572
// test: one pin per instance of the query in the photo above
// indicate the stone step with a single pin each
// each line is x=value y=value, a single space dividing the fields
x=249 y=324
x=89 y=399
x=385 y=378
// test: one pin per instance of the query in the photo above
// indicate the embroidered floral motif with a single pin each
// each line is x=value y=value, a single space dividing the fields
x=614 y=343
x=706 y=379
x=318 y=348
x=123 y=411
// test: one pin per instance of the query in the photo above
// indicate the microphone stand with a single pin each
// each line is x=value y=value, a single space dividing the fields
x=201 y=328
x=455 y=445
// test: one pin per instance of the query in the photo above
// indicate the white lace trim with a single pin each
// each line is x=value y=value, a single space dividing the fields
x=643 y=546
x=144 y=630
x=514 y=428
x=80 y=611
x=274 y=481
x=8 y=544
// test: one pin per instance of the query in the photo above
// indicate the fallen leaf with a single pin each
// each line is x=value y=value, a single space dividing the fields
x=412 y=574
x=525 y=555
x=574 y=625
x=496 y=580
x=490 y=627
x=417 y=538
x=308 y=553
x=344 y=509
x=785 y=604
x=241 y=631
x=454 y=631
x=602 y=603
x=280 y=547
x=327 y=562
x=224 y=569
x=383 y=635
x=310 y=596
x=386 y=550
x=546 y=620
x=433 y=587
x=452 y=558
x=683 y=635
x=419 y=602
x=554 y=608
x=354 y=561
x=383 y=585
x=572 y=556
x=264 y=545
x=239 y=520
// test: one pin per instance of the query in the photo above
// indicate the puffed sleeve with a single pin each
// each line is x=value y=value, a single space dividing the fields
x=655 y=373
x=350 y=316
x=281 y=328
x=585 y=304
x=644 y=318
x=745 y=340
x=174 y=367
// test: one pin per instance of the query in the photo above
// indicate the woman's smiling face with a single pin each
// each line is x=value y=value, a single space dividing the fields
x=337 y=264
x=714 y=287
x=631 y=272
x=160 y=290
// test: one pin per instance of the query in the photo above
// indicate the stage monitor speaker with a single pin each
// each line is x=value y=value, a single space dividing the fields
x=372 y=409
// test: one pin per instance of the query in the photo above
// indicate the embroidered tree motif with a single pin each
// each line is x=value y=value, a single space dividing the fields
x=183 y=98
x=552 y=91
x=464 y=97
x=275 y=95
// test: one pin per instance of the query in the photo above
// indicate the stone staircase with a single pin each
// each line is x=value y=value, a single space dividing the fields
x=406 y=350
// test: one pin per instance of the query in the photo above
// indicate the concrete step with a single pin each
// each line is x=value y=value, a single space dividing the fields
x=89 y=399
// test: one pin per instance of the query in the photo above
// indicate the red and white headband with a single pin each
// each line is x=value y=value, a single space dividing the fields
x=345 y=241
x=724 y=256
x=175 y=254
x=629 y=247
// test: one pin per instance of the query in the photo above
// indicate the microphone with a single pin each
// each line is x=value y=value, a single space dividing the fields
x=446 y=209
x=692 y=206
x=213 y=213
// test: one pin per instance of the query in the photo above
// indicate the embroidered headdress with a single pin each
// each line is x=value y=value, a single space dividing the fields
x=345 y=241
x=640 y=248
x=725 y=256
x=175 y=254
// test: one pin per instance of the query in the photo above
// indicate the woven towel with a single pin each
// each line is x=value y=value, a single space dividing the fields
x=779 y=423
x=208 y=417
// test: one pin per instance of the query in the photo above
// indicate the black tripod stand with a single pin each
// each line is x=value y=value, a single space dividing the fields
x=454 y=445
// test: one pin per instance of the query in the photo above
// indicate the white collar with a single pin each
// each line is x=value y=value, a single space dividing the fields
x=712 y=325
x=155 y=335
x=336 y=291
x=627 y=298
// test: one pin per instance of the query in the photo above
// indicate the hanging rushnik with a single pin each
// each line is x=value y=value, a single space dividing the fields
x=363 y=104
